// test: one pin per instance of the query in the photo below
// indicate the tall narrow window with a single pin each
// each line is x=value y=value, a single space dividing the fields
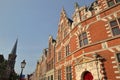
x=83 y=40
x=48 y=77
x=67 y=50
x=49 y=49
x=118 y=60
x=118 y=57
x=68 y=73
x=115 y=26
x=52 y=63
x=59 y=56
x=51 y=77
x=65 y=33
x=59 y=74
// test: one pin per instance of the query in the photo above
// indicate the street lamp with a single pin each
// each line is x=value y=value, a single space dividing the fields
x=23 y=63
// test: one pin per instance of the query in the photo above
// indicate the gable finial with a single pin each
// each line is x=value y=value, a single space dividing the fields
x=63 y=12
x=76 y=5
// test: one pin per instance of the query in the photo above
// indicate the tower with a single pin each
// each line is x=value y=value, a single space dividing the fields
x=12 y=56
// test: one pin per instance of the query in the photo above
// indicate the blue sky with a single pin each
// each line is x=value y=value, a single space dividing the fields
x=31 y=21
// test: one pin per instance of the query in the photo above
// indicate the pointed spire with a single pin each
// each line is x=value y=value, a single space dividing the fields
x=76 y=5
x=14 y=49
x=63 y=12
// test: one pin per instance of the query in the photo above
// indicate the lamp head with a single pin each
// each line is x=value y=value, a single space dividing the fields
x=23 y=63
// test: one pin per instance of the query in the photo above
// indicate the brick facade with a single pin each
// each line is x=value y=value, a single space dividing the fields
x=89 y=44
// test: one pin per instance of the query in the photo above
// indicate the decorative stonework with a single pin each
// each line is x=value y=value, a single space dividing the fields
x=84 y=64
x=104 y=45
x=49 y=73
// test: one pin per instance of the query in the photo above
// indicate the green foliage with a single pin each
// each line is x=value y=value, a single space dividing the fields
x=3 y=66
x=13 y=76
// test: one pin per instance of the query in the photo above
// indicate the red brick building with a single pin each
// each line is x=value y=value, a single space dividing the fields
x=50 y=59
x=88 y=46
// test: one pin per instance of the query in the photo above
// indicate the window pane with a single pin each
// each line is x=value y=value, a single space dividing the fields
x=59 y=55
x=81 y=43
x=70 y=69
x=67 y=76
x=59 y=74
x=80 y=37
x=116 y=31
x=118 y=57
x=119 y=21
x=84 y=35
x=85 y=41
x=111 y=3
x=68 y=73
x=51 y=77
x=117 y=1
x=70 y=76
x=113 y=23
x=67 y=50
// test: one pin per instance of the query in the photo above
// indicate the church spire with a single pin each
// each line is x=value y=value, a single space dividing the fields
x=14 y=49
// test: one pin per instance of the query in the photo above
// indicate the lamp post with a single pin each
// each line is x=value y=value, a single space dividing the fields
x=23 y=63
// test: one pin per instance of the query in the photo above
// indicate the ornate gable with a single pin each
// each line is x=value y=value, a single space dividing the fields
x=64 y=26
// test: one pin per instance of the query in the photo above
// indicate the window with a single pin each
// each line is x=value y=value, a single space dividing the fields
x=59 y=56
x=115 y=26
x=112 y=2
x=67 y=50
x=83 y=40
x=48 y=77
x=68 y=73
x=51 y=77
x=118 y=60
x=52 y=63
x=65 y=33
x=117 y=1
x=49 y=49
x=59 y=74
x=118 y=57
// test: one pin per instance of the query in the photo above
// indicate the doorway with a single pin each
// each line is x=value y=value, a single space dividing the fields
x=87 y=76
